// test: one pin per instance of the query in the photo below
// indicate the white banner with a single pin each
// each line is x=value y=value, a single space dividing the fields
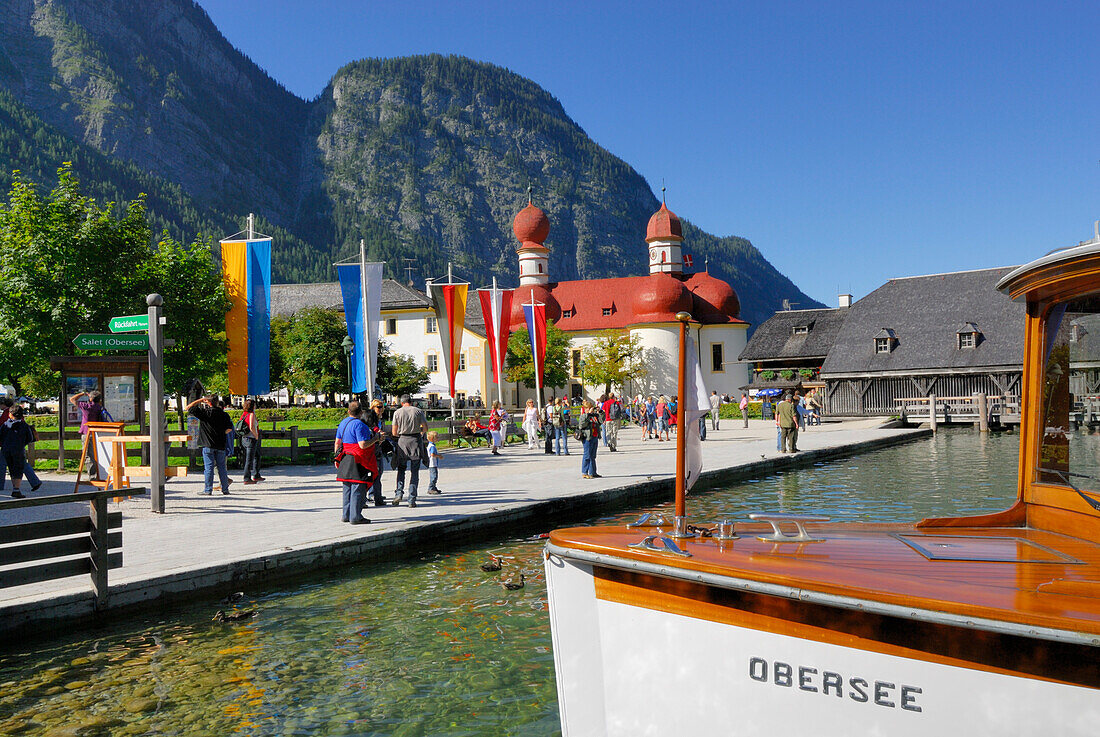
x=696 y=405
x=372 y=313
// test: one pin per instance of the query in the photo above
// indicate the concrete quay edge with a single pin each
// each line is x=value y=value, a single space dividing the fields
x=45 y=613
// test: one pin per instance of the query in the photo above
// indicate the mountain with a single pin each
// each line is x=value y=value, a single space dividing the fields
x=426 y=158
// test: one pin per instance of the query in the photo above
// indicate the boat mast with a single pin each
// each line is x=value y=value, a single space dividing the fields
x=680 y=521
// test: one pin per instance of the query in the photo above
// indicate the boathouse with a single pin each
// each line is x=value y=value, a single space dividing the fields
x=788 y=349
x=949 y=335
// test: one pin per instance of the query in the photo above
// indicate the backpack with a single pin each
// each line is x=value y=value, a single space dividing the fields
x=615 y=411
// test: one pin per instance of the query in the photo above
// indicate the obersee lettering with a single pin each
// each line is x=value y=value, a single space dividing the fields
x=860 y=690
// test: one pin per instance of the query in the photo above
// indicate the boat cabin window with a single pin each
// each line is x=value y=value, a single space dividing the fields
x=1069 y=450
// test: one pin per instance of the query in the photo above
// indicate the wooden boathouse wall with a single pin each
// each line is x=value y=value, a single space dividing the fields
x=871 y=396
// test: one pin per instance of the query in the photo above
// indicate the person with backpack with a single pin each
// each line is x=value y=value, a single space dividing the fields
x=248 y=428
x=214 y=430
x=547 y=419
x=613 y=414
x=91 y=410
x=356 y=467
x=15 y=436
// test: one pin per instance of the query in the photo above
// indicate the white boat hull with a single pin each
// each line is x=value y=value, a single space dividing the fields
x=631 y=670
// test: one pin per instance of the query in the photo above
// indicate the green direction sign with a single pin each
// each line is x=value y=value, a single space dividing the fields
x=109 y=342
x=129 y=324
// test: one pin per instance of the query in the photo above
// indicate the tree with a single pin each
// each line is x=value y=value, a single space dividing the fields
x=398 y=373
x=613 y=359
x=315 y=356
x=67 y=266
x=521 y=367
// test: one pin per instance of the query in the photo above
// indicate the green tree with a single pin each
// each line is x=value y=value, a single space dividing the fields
x=398 y=373
x=315 y=355
x=613 y=359
x=67 y=266
x=521 y=367
x=280 y=348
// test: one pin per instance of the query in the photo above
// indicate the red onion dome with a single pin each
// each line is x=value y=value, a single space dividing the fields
x=664 y=226
x=660 y=296
x=712 y=298
x=523 y=294
x=531 y=225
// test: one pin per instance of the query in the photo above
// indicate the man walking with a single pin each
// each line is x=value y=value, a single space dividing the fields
x=408 y=425
x=715 y=403
x=613 y=414
x=745 y=408
x=214 y=426
x=788 y=425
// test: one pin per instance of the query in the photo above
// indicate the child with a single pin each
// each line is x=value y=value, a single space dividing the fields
x=433 y=463
x=15 y=435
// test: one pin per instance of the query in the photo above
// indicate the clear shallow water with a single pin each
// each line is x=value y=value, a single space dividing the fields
x=431 y=646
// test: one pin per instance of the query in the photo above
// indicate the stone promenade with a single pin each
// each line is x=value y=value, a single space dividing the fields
x=290 y=524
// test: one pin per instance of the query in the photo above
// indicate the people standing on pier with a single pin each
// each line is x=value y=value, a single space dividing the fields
x=250 y=439
x=15 y=436
x=355 y=463
x=375 y=420
x=673 y=416
x=649 y=415
x=557 y=423
x=407 y=428
x=744 y=405
x=787 y=417
x=715 y=405
x=6 y=405
x=663 y=416
x=589 y=431
x=546 y=417
x=214 y=429
x=531 y=424
x=495 y=430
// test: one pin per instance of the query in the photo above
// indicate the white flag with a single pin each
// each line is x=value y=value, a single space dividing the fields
x=696 y=405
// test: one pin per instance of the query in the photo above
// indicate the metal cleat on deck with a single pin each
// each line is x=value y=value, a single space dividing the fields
x=798 y=520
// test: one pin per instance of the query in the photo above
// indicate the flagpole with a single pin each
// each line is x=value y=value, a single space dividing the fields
x=535 y=355
x=450 y=280
x=366 y=328
x=496 y=349
x=680 y=521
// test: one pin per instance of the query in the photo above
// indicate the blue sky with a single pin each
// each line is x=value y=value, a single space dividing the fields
x=851 y=142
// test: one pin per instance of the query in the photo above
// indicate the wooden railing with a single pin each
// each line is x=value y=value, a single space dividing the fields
x=65 y=547
x=959 y=409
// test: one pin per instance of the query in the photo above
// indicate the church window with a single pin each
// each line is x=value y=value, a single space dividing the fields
x=540 y=268
x=717 y=357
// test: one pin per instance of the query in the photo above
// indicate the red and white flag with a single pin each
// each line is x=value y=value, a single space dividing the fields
x=496 y=308
x=449 y=303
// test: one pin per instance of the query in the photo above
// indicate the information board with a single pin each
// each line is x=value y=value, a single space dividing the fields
x=118 y=397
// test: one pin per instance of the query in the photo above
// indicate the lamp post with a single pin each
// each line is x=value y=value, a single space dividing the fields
x=348 y=344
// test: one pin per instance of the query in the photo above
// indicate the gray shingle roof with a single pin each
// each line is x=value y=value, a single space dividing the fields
x=287 y=299
x=775 y=339
x=924 y=313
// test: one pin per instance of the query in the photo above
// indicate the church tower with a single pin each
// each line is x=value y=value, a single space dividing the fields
x=531 y=228
x=664 y=236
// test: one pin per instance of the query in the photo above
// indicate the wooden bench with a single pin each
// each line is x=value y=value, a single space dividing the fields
x=70 y=546
x=321 y=448
x=458 y=433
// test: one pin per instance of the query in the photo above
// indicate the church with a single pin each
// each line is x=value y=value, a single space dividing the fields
x=642 y=305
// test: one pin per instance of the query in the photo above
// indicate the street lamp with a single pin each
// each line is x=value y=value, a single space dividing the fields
x=348 y=345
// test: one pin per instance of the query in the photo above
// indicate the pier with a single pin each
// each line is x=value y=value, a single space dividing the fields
x=290 y=525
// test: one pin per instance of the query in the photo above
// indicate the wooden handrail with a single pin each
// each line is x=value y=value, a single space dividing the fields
x=79 y=496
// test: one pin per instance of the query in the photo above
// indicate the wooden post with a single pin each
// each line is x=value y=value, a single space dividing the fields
x=62 y=410
x=293 y=443
x=983 y=413
x=932 y=411
x=99 y=554
x=156 y=404
x=681 y=388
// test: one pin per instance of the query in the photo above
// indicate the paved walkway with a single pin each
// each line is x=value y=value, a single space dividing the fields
x=293 y=518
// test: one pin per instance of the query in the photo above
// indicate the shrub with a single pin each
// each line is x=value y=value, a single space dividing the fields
x=767 y=375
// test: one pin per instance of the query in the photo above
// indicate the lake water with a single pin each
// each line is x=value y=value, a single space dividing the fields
x=429 y=646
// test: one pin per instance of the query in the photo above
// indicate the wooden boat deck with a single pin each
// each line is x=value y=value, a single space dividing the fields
x=1020 y=576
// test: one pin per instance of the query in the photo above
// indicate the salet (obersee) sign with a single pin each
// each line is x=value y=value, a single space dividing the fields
x=110 y=342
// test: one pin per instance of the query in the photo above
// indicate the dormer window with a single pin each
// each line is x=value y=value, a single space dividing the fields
x=800 y=330
x=607 y=312
x=968 y=336
x=885 y=341
x=568 y=313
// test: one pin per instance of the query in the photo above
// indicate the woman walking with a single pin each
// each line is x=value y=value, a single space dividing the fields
x=531 y=424
x=589 y=428
x=250 y=439
x=375 y=419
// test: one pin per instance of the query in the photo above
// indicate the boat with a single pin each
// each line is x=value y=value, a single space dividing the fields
x=981 y=625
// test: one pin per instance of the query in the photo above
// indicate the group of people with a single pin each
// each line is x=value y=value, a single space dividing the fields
x=216 y=437
x=795 y=412
x=362 y=447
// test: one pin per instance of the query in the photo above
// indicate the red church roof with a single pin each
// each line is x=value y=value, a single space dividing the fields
x=664 y=226
x=601 y=304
